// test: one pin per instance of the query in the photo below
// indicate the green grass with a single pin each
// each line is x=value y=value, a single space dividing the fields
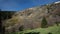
x=53 y=29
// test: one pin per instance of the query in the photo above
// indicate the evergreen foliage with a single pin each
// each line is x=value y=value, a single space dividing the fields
x=44 y=22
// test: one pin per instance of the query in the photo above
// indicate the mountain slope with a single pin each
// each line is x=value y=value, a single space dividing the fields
x=32 y=17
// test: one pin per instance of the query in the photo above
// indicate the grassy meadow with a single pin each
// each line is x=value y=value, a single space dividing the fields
x=52 y=29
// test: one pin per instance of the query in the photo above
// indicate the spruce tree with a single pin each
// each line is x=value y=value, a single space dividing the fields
x=44 y=22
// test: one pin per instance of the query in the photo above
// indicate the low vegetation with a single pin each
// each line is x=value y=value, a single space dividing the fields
x=50 y=30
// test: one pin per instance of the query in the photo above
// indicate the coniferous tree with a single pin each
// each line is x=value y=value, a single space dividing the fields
x=44 y=22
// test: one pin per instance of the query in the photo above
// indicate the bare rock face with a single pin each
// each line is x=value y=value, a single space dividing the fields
x=32 y=17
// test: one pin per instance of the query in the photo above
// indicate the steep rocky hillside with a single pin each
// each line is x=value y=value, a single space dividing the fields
x=32 y=17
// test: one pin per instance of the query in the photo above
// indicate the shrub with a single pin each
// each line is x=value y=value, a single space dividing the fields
x=49 y=33
x=21 y=28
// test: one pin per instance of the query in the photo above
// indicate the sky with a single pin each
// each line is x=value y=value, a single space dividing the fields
x=16 y=5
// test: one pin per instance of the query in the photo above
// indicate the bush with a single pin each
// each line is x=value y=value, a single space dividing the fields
x=21 y=28
x=57 y=23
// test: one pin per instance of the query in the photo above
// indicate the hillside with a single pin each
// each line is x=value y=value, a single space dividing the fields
x=31 y=18
x=53 y=30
